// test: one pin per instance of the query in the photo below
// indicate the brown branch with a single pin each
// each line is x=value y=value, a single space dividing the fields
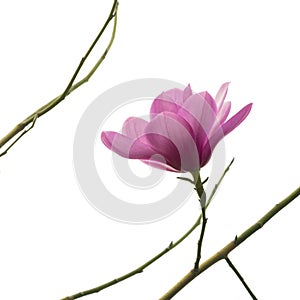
x=223 y=253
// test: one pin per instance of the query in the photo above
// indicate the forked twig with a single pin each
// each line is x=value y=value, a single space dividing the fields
x=31 y=120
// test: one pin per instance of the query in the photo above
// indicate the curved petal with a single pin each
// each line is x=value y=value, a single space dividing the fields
x=126 y=146
x=224 y=112
x=201 y=109
x=163 y=147
x=134 y=127
x=187 y=92
x=156 y=163
x=176 y=95
x=210 y=145
x=221 y=95
x=173 y=128
x=162 y=105
x=170 y=100
x=237 y=119
x=206 y=155
x=210 y=100
x=221 y=118
x=221 y=131
x=200 y=115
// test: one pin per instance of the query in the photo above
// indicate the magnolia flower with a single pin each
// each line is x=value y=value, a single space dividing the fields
x=183 y=130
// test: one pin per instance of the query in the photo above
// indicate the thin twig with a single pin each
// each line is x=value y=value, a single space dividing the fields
x=240 y=277
x=155 y=258
x=223 y=253
x=21 y=127
x=186 y=179
x=218 y=183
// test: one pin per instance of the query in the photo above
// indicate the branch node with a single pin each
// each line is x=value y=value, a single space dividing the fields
x=236 y=240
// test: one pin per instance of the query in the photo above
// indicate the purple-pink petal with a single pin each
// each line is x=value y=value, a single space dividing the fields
x=159 y=163
x=199 y=114
x=162 y=105
x=224 y=112
x=170 y=100
x=187 y=92
x=221 y=95
x=134 y=127
x=175 y=95
x=164 y=147
x=237 y=119
x=126 y=146
x=221 y=131
x=210 y=144
x=174 y=128
x=210 y=100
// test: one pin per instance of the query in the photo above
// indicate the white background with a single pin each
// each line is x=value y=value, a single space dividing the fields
x=53 y=243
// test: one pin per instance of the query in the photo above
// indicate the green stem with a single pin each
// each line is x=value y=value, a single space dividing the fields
x=155 y=258
x=200 y=242
x=237 y=273
x=223 y=253
x=202 y=198
x=70 y=87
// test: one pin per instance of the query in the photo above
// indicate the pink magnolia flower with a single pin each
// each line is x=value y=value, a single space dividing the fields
x=183 y=130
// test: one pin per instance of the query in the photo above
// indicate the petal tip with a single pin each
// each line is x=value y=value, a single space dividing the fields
x=107 y=137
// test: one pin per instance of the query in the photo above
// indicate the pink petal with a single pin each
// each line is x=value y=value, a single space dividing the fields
x=173 y=128
x=237 y=119
x=210 y=144
x=221 y=95
x=187 y=92
x=221 y=131
x=200 y=115
x=160 y=165
x=126 y=146
x=134 y=127
x=221 y=118
x=210 y=100
x=224 y=112
x=170 y=100
x=176 y=95
x=202 y=107
x=162 y=105
x=164 y=147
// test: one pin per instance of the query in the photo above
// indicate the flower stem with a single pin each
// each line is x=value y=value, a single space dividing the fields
x=202 y=198
x=199 y=248
x=155 y=258
x=223 y=253
x=237 y=273
x=30 y=120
